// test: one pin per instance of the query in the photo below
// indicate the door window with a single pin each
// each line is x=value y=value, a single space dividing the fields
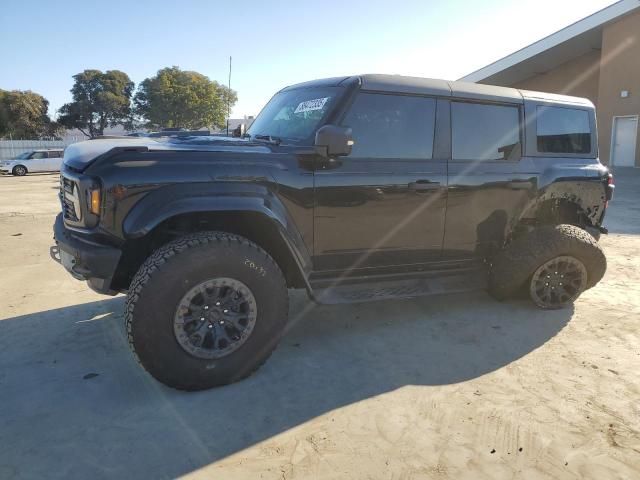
x=37 y=155
x=391 y=126
x=485 y=132
x=563 y=130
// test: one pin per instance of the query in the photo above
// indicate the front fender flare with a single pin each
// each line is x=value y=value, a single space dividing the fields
x=168 y=202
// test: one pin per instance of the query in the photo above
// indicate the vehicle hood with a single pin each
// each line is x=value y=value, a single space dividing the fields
x=79 y=155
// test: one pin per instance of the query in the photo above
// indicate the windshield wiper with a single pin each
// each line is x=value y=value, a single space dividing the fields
x=268 y=138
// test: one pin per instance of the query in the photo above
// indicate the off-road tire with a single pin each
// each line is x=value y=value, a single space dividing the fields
x=515 y=265
x=19 y=171
x=172 y=270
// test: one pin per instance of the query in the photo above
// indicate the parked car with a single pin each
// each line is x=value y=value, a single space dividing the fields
x=43 y=160
x=355 y=189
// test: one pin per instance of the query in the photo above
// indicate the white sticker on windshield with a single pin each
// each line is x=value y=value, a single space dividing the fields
x=309 y=105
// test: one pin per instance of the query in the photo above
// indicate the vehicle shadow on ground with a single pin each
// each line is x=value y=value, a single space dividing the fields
x=91 y=411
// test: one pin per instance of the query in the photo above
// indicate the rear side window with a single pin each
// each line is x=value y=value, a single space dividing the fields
x=563 y=130
x=55 y=154
x=392 y=126
x=485 y=132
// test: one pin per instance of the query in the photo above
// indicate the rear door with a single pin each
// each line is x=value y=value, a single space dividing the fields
x=383 y=206
x=489 y=181
x=54 y=161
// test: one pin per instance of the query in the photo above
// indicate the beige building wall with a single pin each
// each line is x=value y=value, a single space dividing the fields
x=577 y=77
x=601 y=76
x=620 y=70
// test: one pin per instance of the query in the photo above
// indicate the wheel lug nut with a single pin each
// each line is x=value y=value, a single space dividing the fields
x=225 y=311
x=217 y=304
x=221 y=322
x=206 y=307
x=202 y=319
x=210 y=326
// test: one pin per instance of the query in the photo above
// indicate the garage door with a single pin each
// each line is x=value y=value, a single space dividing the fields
x=625 y=130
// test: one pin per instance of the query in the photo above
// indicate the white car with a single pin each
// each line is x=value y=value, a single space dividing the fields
x=45 y=160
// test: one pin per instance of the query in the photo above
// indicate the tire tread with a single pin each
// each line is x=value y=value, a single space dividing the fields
x=154 y=263
x=517 y=262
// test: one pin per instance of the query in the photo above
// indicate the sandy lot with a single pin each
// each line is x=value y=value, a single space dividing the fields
x=441 y=387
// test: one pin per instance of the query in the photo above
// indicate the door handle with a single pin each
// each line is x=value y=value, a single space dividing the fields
x=422 y=185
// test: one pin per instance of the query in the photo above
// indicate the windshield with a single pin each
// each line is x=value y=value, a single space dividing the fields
x=23 y=155
x=293 y=115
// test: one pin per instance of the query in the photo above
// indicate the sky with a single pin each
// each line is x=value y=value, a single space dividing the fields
x=273 y=43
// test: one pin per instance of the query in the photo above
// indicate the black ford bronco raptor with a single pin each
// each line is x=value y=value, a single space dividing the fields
x=356 y=188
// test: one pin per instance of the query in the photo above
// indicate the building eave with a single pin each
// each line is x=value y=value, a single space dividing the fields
x=589 y=28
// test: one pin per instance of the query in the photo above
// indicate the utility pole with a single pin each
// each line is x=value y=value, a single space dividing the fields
x=229 y=97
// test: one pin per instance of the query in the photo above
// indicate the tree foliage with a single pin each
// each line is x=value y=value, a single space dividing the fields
x=23 y=114
x=174 y=98
x=99 y=100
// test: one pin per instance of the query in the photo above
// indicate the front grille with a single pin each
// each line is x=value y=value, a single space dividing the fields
x=70 y=199
x=66 y=184
x=68 y=211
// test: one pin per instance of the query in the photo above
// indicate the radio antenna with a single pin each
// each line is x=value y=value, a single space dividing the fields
x=229 y=97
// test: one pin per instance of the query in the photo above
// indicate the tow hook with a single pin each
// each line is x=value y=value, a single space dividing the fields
x=54 y=252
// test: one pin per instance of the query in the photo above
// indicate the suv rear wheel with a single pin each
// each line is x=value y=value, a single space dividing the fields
x=206 y=310
x=555 y=264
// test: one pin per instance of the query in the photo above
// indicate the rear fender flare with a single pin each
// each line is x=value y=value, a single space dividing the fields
x=588 y=195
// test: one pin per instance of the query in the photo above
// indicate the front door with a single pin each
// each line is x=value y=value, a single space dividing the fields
x=625 y=130
x=38 y=162
x=383 y=205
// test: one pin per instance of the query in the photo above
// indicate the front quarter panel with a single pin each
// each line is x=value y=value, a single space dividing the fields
x=142 y=189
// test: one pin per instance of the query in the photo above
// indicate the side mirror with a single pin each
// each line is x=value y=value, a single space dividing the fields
x=333 y=141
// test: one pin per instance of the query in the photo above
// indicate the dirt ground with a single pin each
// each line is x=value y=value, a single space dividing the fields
x=457 y=386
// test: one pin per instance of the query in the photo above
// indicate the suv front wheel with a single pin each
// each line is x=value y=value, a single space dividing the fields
x=19 y=170
x=206 y=310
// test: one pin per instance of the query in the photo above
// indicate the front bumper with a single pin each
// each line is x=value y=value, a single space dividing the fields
x=84 y=259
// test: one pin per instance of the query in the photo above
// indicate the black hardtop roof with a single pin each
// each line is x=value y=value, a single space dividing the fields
x=445 y=88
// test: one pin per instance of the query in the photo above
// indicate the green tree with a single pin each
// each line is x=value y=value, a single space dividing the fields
x=23 y=114
x=174 y=98
x=99 y=100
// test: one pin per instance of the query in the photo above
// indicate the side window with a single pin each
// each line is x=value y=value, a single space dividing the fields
x=55 y=154
x=391 y=126
x=35 y=155
x=485 y=132
x=563 y=130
